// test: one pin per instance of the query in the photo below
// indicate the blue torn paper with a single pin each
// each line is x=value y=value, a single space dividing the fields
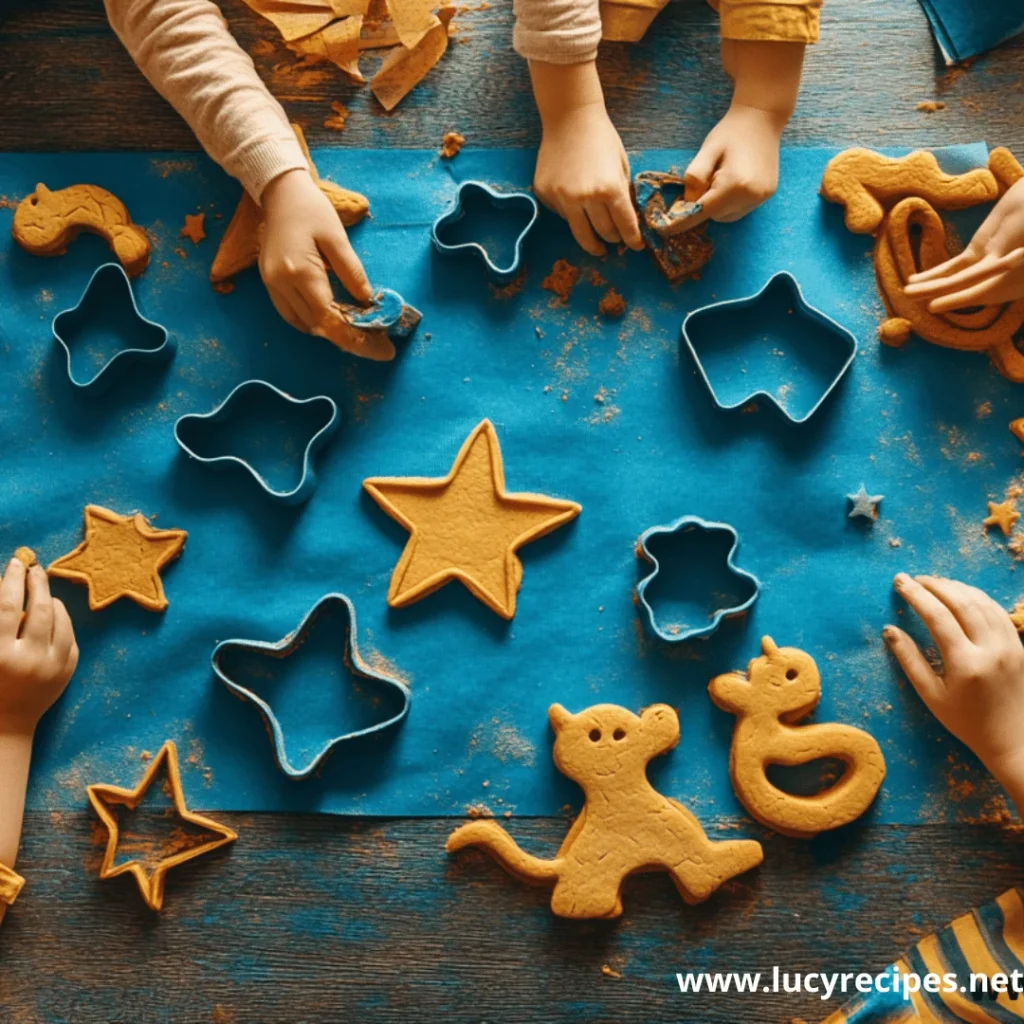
x=965 y=28
x=609 y=413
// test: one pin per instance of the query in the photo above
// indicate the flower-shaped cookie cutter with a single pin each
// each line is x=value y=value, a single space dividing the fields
x=264 y=393
x=476 y=192
x=109 y=291
x=285 y=648
x=711 y=320
x=683 y=526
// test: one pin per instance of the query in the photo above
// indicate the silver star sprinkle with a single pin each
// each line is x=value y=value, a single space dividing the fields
x=864 y=504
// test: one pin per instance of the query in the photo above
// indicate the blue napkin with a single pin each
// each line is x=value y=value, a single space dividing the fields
x=965 y=28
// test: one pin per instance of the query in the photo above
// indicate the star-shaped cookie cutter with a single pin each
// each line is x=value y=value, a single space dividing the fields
x=802 y=311
x=467 y=192
x=151 y=885
x=684 y=525
x=288 y=646
x=265 y=393
x=109 y=288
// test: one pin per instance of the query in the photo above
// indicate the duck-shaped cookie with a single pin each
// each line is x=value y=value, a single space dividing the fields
x=780 y=688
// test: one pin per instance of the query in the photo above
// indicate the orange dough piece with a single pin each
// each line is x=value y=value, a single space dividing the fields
x=121 y=556
x=194 y=228
x=780 y=688
x=151 y=881
x=239 y=249
x=49 y=220
x=625 y=827
x=466 y=526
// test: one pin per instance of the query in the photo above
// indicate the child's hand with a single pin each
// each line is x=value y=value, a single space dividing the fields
x=36 y=665
x=582 y=169
x=300 y=225
x=979 y=697
x=989 y=271
x=737 y=168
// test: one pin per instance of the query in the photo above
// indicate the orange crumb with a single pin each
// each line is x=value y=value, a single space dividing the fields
x=338 y=117
x=562 y=279
x=612 y=305
x=608 y=972
x=451 y=145
x=193 y=229
x=930 y=106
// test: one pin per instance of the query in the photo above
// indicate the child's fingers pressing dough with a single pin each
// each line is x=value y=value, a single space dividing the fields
x=302 y=231
x=979 y=695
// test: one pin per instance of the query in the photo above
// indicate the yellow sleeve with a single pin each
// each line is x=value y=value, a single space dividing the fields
x=11 y=884
x=777 y=21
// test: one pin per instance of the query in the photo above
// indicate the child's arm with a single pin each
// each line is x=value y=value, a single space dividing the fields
x=763 y=43
x=989 y=271
x=979 y=697
x=35 y=666
x=185 y=50
x=582 y=168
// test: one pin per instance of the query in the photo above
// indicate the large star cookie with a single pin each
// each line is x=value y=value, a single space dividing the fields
x=465 y=526
x=121 y=556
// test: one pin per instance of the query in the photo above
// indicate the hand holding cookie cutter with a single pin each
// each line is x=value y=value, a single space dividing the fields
x=261 y=391
x=475 y=192
x=780 y=688
x=109 y=297
x=287 y=647
x=649 y=540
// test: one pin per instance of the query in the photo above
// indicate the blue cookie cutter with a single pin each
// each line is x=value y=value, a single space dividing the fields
x=389 y=312
x=477 y=190
x=288 y=646
x=307 y=484
x=684 y=525
x=833 y=332
x=110 y=290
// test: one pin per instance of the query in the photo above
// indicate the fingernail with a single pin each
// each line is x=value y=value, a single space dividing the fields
x=889 y=635
x=901 y=580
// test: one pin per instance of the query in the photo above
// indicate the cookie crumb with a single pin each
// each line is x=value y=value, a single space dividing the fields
x=609 y=972
x=194 y=229
x=337 y=118
x=562 y=279
x=26 y=556
x=612 y=305
x=451 y=145
x=930 y=106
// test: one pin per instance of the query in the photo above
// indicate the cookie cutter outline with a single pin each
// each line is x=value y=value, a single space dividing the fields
x=101 y=379
x=303 y=490
x=287 y=646
x=683 y=524
x=496 y=199
x=803 y=309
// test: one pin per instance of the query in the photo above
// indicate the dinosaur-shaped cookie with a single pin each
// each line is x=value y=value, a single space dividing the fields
x=49 y=220
x=625 y=825
x=897 y=200
x=779 y=689
x=240 y=246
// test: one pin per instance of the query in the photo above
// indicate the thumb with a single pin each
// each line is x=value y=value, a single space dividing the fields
x=925 y=680
x=701 y=172
x=345 y=263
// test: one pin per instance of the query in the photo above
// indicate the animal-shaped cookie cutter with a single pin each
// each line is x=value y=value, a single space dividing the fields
x=779 y=688
x=625 y=826
x=261 y=391
x=109 y=290
x=673 y=633
x=897 y=201
x=476 y=191
x=703 y=328
x=288 y=646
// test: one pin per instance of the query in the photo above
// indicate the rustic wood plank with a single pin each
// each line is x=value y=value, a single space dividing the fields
x=68 y=84
x=316 y=919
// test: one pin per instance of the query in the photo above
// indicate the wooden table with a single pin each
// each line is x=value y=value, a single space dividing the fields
x=312 y=919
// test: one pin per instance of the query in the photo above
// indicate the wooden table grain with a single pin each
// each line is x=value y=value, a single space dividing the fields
x=310 y=920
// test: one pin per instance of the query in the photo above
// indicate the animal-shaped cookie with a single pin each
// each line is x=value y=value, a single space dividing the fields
x=780 y=688
x=897 y=200
x=49 y=220
x=625 y=826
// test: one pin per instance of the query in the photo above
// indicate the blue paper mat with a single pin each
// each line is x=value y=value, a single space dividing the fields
x=965 y=28
x=923 y=426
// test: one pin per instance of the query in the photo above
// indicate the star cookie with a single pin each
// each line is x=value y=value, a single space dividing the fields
x=1003 y=514
x=121 y=556
x=465 y=526
x=151 y=883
